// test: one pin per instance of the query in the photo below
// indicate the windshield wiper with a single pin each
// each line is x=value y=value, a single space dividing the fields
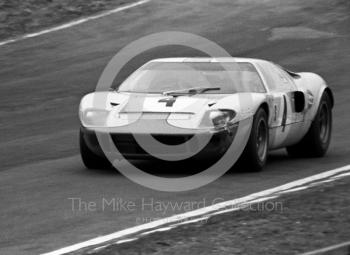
x=191 y=91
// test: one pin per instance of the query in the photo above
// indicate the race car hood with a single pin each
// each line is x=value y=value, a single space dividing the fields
x=185 y=111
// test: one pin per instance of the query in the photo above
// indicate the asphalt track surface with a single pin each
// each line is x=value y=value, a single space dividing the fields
x=42 y=80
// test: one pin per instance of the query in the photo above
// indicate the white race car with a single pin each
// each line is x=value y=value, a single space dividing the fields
x=173 y=100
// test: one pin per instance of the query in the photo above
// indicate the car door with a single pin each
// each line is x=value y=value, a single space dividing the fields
x=281 y=88
x=296 y=117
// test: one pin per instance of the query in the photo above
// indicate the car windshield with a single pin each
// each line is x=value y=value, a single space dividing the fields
x=184 y=77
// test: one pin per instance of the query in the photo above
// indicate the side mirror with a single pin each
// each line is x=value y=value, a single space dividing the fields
x=299 y=101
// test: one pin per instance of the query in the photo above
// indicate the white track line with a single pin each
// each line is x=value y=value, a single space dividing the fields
x=75 y=23
x=342 y=175
x=199 y=212
x=191 y=221
x=126 y=240
x=294 y=189
x=329 y=248
x=156 y=230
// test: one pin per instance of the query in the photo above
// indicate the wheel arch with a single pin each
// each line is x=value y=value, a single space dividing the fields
x=317 y=86
x=265 y=107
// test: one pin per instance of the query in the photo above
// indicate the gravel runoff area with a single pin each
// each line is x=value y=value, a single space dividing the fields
x=18 y=17
x=291 y=224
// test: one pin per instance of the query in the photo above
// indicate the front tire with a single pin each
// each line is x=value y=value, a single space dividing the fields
x=89 y=158
x=254 y=156
x=316 y=142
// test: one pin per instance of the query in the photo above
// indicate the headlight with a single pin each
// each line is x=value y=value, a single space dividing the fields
x=218 y=118
x=94 y=117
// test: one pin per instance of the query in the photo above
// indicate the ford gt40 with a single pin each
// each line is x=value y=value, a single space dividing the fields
x=196 y=108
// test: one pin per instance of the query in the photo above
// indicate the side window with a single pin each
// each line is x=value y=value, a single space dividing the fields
x=276 y=78
x=251 y=79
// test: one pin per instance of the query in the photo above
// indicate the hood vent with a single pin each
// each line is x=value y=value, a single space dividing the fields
x=210 y=104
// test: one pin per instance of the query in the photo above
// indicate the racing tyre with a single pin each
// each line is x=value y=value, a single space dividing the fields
x=254 y=155
x=316 y=142
x=89 y=158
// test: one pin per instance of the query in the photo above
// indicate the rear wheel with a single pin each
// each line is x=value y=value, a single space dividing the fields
x=316 y=142
x=89 y=158
x=255 y=153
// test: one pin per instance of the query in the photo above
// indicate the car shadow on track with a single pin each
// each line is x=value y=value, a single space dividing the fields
x=188 y=168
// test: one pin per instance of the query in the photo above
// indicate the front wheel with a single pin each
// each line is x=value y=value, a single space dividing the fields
x=316 y=142
x=254 y=156
x=89 y=158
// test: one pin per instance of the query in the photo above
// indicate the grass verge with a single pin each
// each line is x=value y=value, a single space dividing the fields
x=302 y=221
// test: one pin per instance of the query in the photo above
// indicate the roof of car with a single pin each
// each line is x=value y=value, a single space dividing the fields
x=206 y=59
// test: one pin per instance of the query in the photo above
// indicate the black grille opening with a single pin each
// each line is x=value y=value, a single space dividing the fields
x=172 y=139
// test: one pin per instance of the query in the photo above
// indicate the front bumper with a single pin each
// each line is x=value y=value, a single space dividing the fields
x=129 y=148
